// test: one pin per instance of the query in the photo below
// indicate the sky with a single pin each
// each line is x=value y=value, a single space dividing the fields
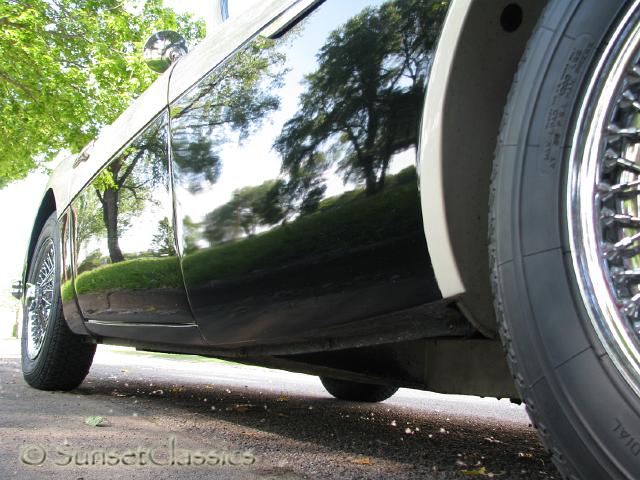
x=207 y=8
x=19 y=203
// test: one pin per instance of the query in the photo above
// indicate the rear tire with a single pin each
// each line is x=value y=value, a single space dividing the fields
x=53 y=357
x=586 y=413
x=357 y=392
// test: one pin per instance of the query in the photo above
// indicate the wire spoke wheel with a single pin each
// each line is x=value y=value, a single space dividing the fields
x=566 y=235
x=39 y=298
x=53 y=357
x=604 y=201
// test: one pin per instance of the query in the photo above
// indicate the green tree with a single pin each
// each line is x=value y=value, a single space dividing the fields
x=302 y=192
x=69 y=68
x=234 y=99
x=226 y=106
x=87 y=219
x=190 y=234
x=123 y=190
x=163 y=240
x=363 y=102
x=249 y=208
x=91 y=261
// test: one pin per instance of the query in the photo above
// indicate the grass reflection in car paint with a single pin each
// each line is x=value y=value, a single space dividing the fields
x=351 y=217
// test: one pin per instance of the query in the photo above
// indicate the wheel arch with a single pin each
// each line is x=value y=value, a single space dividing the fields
x=473 y=69
x=47 y=207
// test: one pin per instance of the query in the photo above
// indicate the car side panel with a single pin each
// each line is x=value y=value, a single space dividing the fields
x=224 y=39
x=473 y=69
x=295 y=182
x=125 y=266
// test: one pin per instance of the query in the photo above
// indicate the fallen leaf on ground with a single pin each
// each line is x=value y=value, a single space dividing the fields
x=492 y=440
x=481 y=472
x=241 y=407
x=95 y=421
x=363 y=461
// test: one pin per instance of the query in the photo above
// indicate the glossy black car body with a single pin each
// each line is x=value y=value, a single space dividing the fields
x=270 y=209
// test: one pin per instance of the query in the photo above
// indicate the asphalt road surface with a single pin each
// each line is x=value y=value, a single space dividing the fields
x=238 y=422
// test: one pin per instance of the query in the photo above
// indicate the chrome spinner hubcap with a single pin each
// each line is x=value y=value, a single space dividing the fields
x=603 y=209
x=39 y=298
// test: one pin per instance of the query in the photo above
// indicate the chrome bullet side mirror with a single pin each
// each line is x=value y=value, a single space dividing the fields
x=162 y=49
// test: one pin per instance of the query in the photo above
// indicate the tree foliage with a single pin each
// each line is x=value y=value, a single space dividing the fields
x=163 y=241
x=249 y=208
x=126 y=186
x=227 y=106
x=363 y=102
x=70 y=67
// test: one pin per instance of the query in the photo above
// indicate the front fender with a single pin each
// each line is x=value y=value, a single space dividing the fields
x=473 y=68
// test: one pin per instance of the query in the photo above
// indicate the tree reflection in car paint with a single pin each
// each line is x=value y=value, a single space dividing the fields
x=312 y=201
x=126 y=263
x=285 y=209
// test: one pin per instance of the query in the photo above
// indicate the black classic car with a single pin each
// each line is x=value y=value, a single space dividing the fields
x=440 y=195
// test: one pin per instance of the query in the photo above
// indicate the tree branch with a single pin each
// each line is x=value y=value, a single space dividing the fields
x=100 y=197
x=123 y=178
x=18 y=85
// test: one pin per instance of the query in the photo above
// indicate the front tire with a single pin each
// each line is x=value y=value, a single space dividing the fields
x=576 y=391
x=53 y=357
x=357 y=392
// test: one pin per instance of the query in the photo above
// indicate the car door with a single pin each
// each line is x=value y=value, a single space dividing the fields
x=125 y=263
x=294 y=170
